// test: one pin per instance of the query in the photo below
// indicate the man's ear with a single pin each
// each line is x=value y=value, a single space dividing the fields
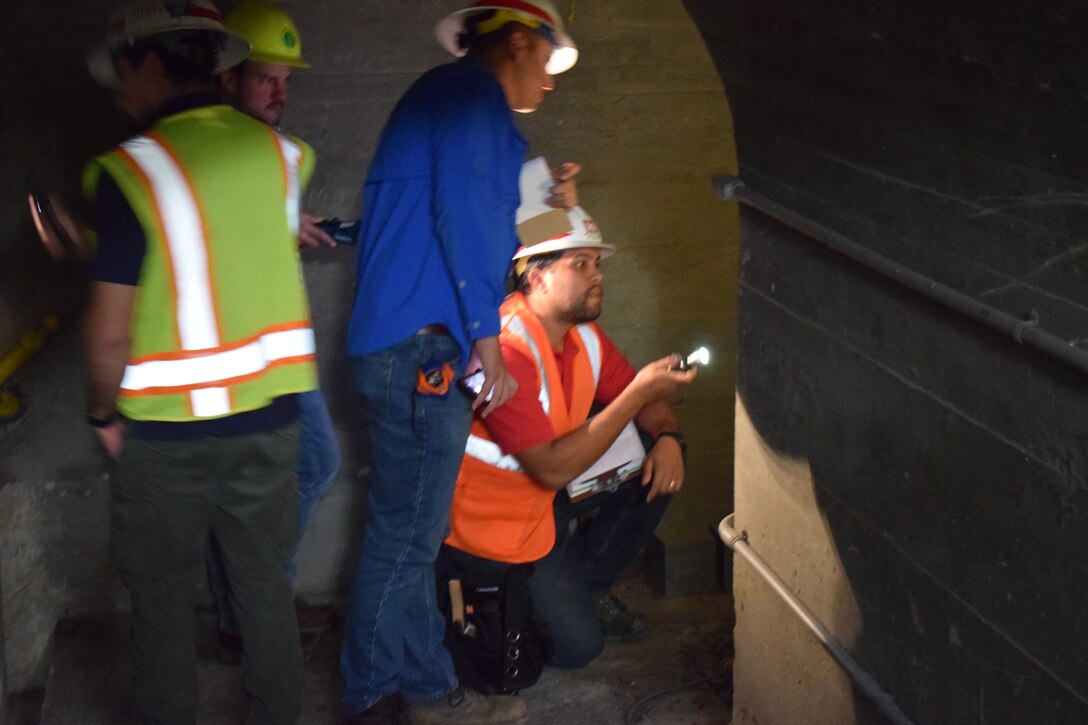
x=228 y=82
x=535 y=278
x=518 y=44
x=151 y=61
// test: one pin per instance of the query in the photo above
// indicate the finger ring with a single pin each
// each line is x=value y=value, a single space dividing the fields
x=672 y=485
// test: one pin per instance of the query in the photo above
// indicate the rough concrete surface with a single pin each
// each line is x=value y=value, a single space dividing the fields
x=643 y=111
x=778 y=509
x=678 y=675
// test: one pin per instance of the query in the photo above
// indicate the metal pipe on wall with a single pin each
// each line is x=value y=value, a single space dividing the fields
x=1024 y=332
x=869 y=687
x=10 y=363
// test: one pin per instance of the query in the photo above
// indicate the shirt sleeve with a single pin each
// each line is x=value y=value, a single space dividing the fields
x=122 y=243
x=473 y=203
x=616 y=372
x=521 y=422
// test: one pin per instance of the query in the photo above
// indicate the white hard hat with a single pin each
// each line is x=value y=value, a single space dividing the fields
x=558 y=230
x=135 y=19
x=542 y=229
x=531 y=12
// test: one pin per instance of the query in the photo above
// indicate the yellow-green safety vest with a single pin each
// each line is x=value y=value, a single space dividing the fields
x=221 y=323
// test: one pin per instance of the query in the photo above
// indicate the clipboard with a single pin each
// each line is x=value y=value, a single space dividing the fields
x=621 y=462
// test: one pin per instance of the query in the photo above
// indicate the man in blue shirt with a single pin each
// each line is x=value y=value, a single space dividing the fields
x=436 y=238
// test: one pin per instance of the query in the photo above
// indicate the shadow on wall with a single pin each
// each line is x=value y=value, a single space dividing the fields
x=930 y=469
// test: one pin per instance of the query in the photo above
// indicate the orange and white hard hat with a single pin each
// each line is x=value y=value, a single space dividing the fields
x=534 y=13
x=134 y=20
x=542 y=229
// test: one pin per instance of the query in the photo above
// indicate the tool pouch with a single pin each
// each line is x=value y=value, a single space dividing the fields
x=497 y=644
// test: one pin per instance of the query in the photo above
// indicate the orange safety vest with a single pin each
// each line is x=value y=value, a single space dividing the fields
x=499 y=512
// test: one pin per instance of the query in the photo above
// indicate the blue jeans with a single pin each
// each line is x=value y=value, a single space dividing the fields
x=318 y=461
x=393 y=630
x=317 y=466
x=578 y=565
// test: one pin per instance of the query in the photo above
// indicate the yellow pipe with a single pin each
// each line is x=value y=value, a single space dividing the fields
x=29 y=344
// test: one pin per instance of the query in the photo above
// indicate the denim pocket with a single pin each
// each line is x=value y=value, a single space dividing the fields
x=371 y=377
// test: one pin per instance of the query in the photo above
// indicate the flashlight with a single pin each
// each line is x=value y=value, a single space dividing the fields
x=699 y=357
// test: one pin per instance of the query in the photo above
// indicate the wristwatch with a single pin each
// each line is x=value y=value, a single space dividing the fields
x=96 y=422
x=677 y=436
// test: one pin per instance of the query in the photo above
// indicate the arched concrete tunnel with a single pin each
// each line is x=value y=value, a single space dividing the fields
x=916 y=477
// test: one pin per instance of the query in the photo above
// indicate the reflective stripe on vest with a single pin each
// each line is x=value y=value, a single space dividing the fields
x=499 y=512
x=488 y=451
x=204 y=366
x=170 y=373
x=292 y=158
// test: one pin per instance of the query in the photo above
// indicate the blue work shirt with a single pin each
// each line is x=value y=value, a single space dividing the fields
x=437 y=232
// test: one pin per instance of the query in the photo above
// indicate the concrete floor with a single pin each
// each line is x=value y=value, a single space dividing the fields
x=680 y=674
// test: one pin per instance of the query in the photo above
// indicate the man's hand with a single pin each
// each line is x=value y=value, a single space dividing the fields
x=498 y=382
x=112 y=437
x=106 y=350
x=663 y=468
x=660 y=379
x=565 y=192
x=310 y=235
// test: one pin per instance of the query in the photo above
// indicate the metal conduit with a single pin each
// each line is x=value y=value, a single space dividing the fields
x=869 y=687
x=1024 y=332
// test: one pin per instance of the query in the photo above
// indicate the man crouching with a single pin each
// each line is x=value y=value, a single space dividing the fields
x=506 y=509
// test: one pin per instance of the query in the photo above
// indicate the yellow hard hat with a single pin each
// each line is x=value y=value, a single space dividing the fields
x=270 y=31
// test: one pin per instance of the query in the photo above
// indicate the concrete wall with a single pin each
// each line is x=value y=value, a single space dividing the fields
x=643 y=111
x=918 y=479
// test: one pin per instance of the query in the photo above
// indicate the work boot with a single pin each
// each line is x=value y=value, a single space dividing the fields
x=315 y=617
x=620 y=624
x=465 y=707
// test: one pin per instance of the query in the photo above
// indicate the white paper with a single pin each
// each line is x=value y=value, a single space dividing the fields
x=621 y=461
x=535 y=184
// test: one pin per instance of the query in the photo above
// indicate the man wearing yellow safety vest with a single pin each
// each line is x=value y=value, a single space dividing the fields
x=506 y=509
x=194 y=362
x=258 y=87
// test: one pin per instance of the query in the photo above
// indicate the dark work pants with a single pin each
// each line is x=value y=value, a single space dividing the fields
x=578 y=565
x=167 y=497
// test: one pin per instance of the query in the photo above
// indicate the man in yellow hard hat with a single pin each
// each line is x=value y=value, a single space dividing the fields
x=259 y=84
x=258 y=87
x=435 y=243
x=194 y=364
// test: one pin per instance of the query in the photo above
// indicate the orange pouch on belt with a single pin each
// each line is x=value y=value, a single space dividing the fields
x=434 y=378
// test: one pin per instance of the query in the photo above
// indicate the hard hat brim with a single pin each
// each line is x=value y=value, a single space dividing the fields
x=100 y=58
x=562 y=245
x=450 y=28
x=279 y=60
